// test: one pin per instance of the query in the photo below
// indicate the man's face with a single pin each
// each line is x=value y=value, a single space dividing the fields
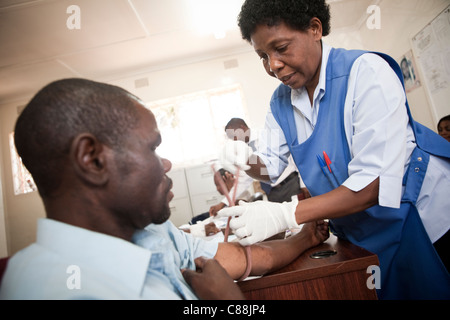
x=444 y=129
x=142 y=188
x=240 y=133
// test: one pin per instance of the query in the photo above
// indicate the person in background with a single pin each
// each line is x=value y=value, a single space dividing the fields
x=381 y=178
x=229 y=180
x=288 y=183
x=444 y=127
x=243 y=189
x=91 y=149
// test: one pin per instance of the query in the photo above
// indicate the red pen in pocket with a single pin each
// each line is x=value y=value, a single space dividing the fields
x=327 y=160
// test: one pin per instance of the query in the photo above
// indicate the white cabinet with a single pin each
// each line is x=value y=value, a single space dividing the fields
x=179 y=187
x=202 y=202
x=180 y=211
x=194 y=193
x=200 y=179
x=180 y=206
x=202 y=190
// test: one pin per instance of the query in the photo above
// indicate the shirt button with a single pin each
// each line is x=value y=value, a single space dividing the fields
x=419 y=158
x=416 y=169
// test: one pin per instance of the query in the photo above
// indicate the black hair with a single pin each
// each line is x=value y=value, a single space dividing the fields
x=62 y=110
x=223 y=172
x=295 y=13
x=446 y=118
x=235 y=123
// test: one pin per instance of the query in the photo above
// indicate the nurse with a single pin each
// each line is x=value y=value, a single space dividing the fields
x=380 y=177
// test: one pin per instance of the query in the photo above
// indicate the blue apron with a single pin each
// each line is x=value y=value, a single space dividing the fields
x=409 y=265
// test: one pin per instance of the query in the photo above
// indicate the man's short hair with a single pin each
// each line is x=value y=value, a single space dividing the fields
x=62 y=110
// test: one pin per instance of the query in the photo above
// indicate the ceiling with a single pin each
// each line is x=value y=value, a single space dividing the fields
x=118 y=38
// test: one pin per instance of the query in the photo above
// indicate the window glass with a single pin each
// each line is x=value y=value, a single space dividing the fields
x=22 y=180
x=193 y=126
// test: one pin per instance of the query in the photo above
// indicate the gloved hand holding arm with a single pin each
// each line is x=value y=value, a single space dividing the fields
x=260 y=220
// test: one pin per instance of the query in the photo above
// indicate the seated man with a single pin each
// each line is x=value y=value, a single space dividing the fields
x=91 y=149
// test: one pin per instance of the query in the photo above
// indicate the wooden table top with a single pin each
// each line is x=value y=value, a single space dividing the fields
x=348 y=258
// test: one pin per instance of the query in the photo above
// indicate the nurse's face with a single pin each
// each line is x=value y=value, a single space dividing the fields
x=290 y=55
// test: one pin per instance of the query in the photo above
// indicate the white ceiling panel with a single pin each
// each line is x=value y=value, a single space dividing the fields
x=39 y=31
x=15 y=3
x=162 y=16
x=349 y=13
x=116 y=37
x=121 y=38
x=26 y=79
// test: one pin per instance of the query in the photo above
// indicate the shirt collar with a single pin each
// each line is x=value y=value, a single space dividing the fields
x=115 y=257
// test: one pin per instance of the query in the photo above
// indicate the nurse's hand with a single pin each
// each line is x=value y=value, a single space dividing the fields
x=235 y=154
x=257 y=221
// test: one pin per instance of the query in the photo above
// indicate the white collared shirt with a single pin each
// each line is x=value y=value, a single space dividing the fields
x=69 y=262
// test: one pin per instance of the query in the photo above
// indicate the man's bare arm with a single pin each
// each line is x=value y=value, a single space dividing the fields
x=269 y=256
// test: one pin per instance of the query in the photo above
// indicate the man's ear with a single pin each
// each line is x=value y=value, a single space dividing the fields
x=88 y=156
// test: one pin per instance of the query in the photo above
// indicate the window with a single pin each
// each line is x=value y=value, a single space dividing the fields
x=193 y=126
x=22 y=180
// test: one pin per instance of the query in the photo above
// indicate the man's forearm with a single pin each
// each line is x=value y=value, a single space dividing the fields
x=266 y=256
x=270 y=256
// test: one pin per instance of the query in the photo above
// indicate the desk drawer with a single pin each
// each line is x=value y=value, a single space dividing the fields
x=180 y=211
x=201 y=203
x=200 y=180
x=179 y=188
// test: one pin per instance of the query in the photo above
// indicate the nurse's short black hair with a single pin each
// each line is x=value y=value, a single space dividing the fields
x=295 y=13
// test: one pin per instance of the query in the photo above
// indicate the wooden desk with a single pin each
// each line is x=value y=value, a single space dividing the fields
x=340 y=276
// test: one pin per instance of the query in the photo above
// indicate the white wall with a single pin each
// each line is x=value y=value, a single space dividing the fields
x=3 y=237
x=401 y=19
x=256 y=84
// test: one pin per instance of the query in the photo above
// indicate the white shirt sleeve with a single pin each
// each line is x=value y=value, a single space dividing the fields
x=376 y=124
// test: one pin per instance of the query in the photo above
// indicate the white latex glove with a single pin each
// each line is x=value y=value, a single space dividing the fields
x=235 y=154
x=260 y=220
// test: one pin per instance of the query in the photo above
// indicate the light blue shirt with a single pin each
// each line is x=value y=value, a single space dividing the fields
x=69 y=262
x=172 y=250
